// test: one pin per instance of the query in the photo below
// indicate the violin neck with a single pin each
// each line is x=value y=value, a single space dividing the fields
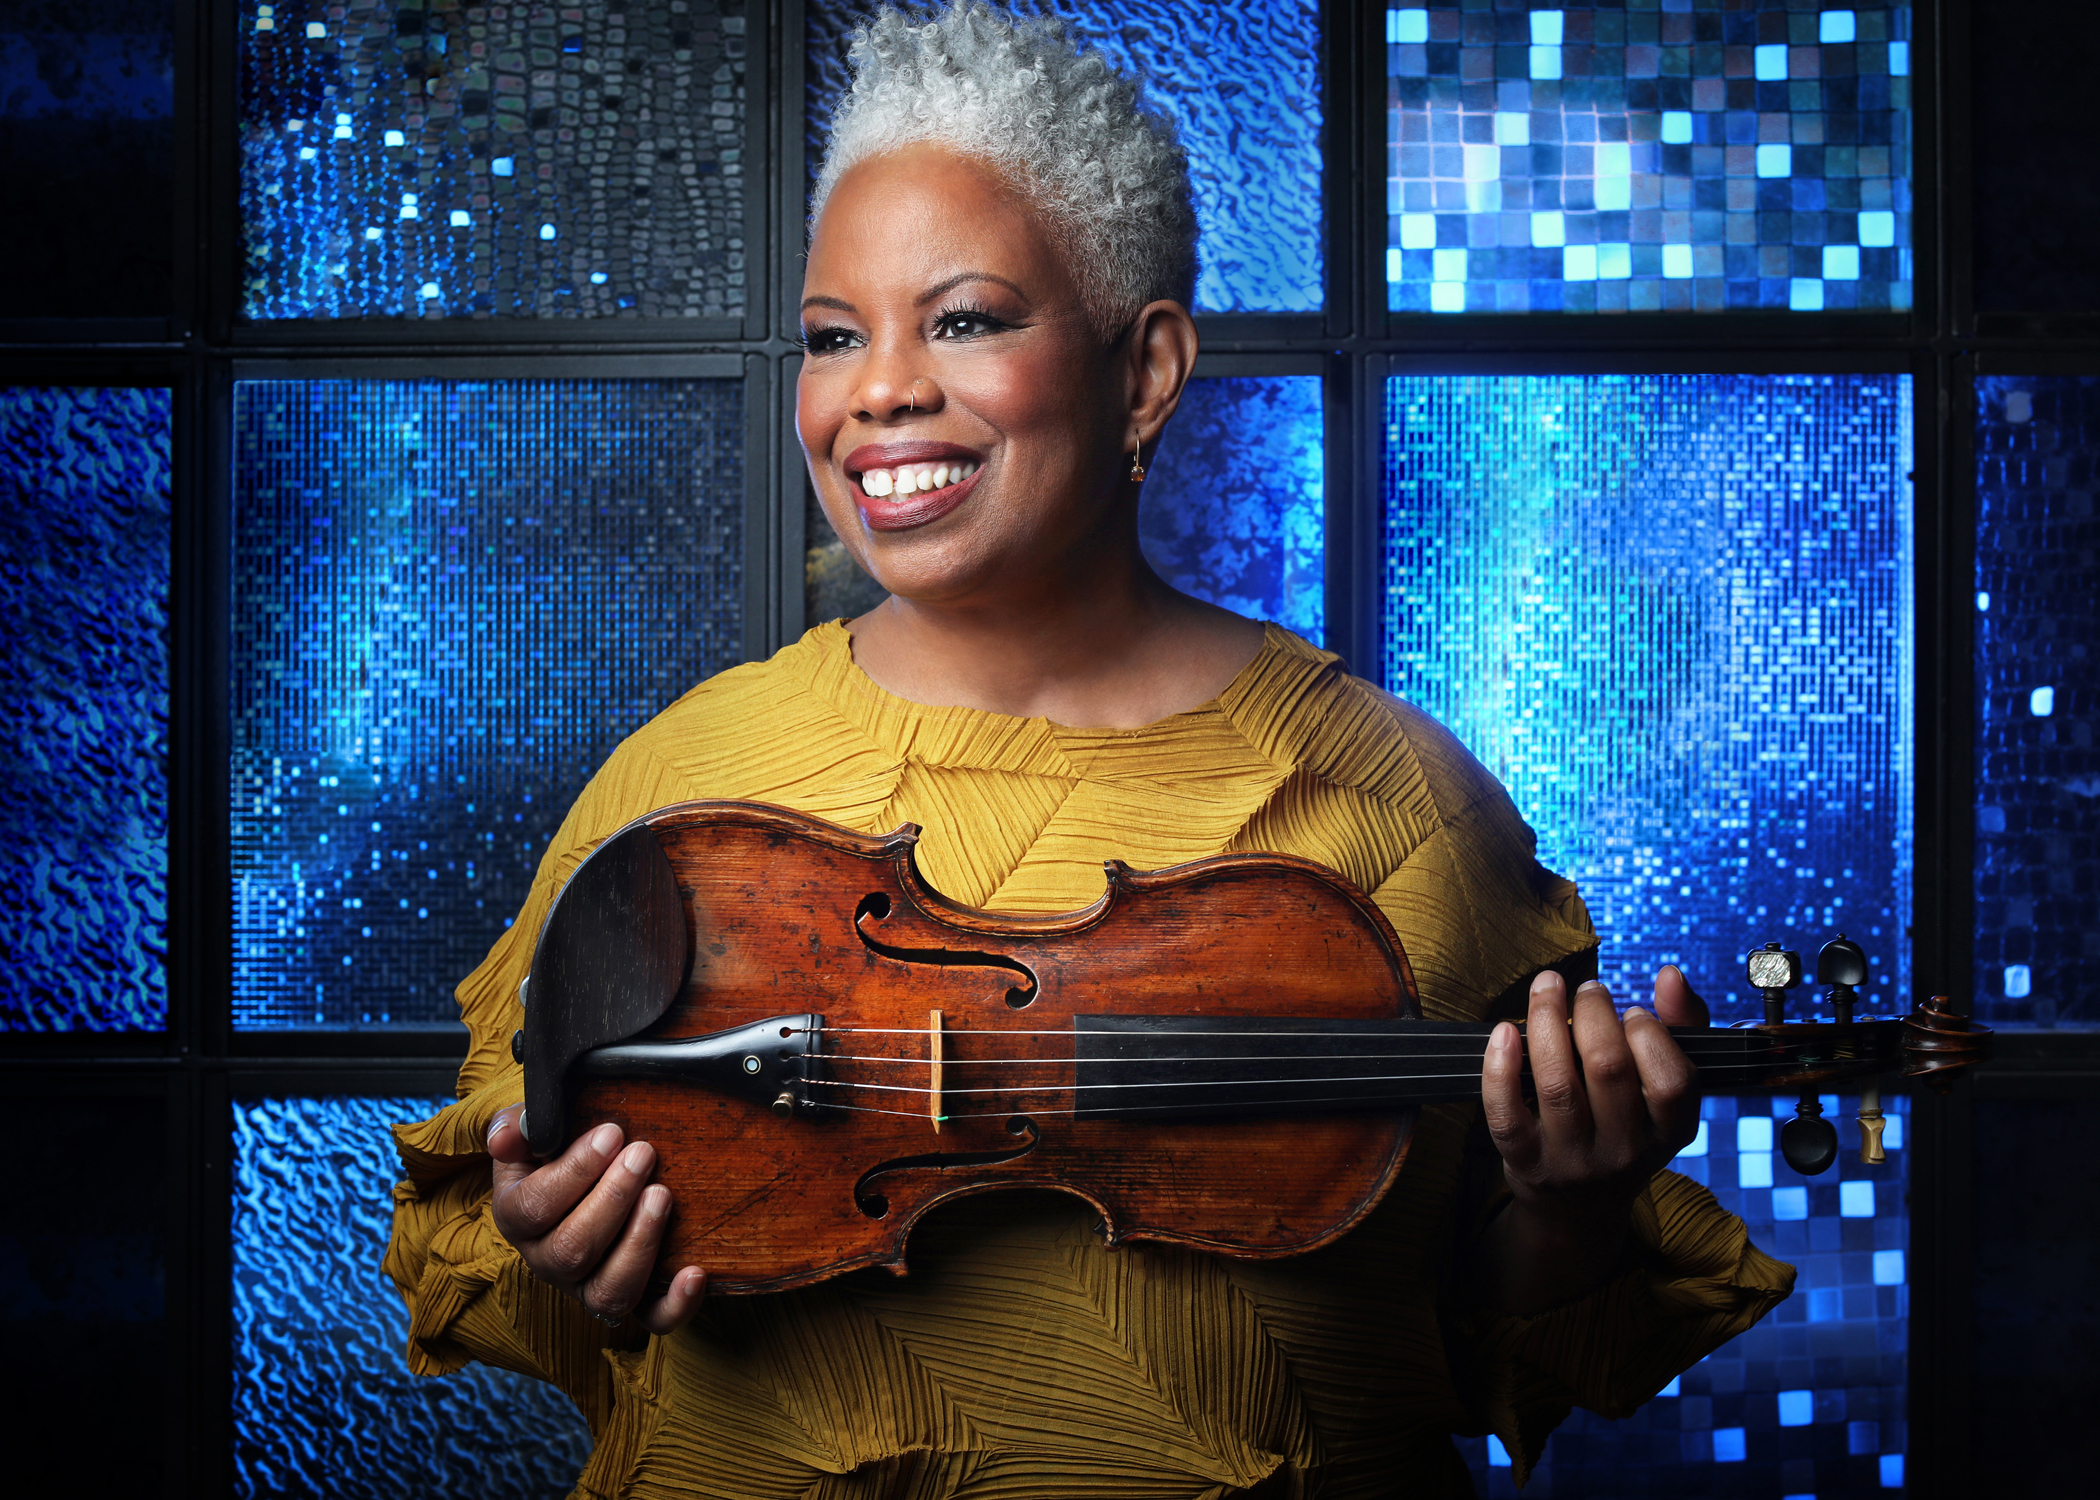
x=1140 y=1067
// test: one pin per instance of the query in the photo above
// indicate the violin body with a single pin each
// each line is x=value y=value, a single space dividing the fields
x=789 y=917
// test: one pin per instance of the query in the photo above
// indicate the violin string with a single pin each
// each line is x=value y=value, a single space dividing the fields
x=1191 y=1083
x=1723 y=1044
x=1117 y=1111
x=1069 y=1061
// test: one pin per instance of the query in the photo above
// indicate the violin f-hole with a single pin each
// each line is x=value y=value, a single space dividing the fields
x=875 y=906
x=875 y=1205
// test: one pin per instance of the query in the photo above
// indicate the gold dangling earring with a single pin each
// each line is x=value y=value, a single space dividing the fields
x=1137 y=469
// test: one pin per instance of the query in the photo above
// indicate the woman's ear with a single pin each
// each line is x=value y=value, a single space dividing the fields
x=1161 y=355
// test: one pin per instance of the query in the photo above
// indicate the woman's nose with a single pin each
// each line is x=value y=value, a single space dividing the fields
x=892 y=391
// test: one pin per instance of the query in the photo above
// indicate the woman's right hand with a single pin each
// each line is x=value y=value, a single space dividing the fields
x=589 y=1222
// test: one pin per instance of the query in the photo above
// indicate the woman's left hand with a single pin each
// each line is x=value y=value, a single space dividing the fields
x=1601 y=1131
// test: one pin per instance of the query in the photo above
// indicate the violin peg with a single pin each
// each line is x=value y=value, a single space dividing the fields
x=1843 y=966
x=1808 y=1141
x=1871 y=1124
x=1775 y=970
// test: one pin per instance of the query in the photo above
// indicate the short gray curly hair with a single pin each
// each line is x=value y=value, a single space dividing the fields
x=1063 y=127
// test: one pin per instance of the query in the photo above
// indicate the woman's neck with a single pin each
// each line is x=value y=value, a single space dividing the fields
x=1120 y=651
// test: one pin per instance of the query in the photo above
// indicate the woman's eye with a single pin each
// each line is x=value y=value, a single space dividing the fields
x=966 y=325
x=827 y=340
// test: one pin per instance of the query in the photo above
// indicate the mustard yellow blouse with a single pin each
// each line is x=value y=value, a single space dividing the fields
x=1020 y=1359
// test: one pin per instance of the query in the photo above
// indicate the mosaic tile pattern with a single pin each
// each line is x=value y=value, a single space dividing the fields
x=323 y=1404
x=1692 y=155
x=87 y=132
x=1673 y=614
x=439 y=158
x=1234 y=508
x=1242 y=81
x=451 y=601
x=84 y=568
x=1810 y=1401
x=2037 y=692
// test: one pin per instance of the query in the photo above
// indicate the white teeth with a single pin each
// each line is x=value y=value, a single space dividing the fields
x=912 y=478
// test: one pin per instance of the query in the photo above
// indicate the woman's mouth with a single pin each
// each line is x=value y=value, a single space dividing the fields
x=906 y=479
x=898 y=490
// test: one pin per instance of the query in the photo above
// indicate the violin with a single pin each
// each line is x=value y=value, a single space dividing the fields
x=1226 y=1055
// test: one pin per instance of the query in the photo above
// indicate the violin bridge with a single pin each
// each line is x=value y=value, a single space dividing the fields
x=933 y=1055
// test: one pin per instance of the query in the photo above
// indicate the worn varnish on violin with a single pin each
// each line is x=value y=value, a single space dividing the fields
x=1226 y=1055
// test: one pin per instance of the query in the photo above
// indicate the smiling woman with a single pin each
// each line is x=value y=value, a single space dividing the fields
x=997 y=330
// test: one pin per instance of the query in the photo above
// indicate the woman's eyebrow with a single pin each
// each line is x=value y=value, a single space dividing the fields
x=834 y=302
x=957 y=280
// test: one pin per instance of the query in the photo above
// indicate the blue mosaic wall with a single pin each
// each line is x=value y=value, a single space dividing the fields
x=1673 y=614
x=1233 y=508
x=1696 y=155
x=1808 y=1403
x=87 y=132
x=1242 y=81
x=451 y=600
x=323 y=1404
x=84 y=567
x=432 y=158
x=2037 y=690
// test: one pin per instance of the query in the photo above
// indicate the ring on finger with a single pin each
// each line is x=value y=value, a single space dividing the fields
x=610 y=1320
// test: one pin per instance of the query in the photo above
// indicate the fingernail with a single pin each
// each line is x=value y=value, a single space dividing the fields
x=605 y=1138
x=636 y=1159
x=655 y=1203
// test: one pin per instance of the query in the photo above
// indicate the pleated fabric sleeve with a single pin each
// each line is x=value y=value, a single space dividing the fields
x=1020 y=1359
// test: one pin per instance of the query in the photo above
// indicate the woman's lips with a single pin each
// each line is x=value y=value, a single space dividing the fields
x=896 y=512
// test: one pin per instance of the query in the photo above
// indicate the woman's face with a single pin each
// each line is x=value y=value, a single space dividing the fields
x=966 y=426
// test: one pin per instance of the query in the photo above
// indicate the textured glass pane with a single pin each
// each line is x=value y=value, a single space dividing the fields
x=84 y=496
x=1242 y=80
x=323 y=1404
x=436 y=159
x=1673 y=614
x=2037 y=689
x=1233 y=508
x=451 y=600
x=1618 y=158
x=83 y=1297
x=1811 y=1400
x=87 y=153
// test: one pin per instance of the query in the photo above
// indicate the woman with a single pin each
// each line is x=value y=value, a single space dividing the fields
x=997 y=329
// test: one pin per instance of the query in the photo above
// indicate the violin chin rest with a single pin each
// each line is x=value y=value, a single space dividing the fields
x=611 y=958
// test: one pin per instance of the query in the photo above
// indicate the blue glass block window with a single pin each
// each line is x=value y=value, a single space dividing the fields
x=1233 y=507
x=1811 y=1400
x=1240 y=79
x=421 y=159
x=84 y=566
x=1697 y=156
x=451 y=601
x=2037 y=689
x=323 y=1403
x=1674 y=615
